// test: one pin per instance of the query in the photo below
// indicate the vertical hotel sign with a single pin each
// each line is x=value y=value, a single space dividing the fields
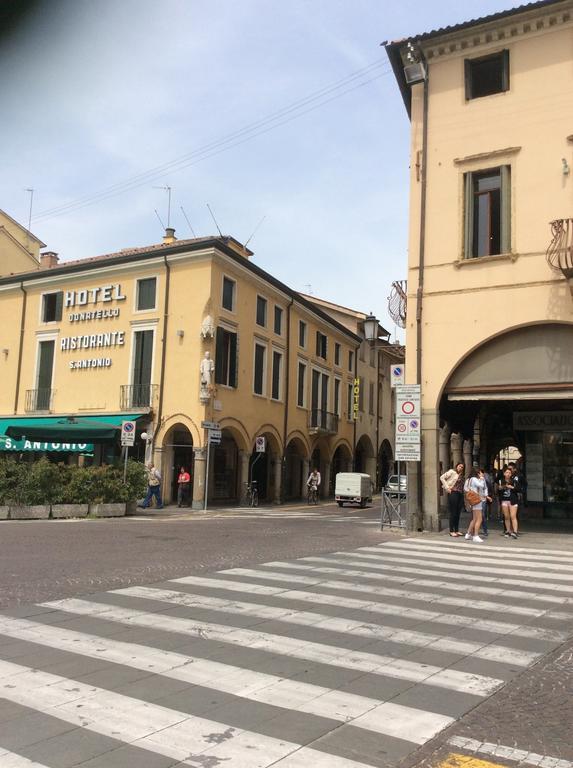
x=355 y=398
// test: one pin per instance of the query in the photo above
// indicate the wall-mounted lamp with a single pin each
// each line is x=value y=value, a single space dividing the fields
x=181 y=334
x=566 y=169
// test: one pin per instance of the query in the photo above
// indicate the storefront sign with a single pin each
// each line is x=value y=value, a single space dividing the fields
x=92 y=362
x=95 y=314
x=93 y=341
x=102 y=293
x=9 y=444
x=355 y=399
x=561 y=421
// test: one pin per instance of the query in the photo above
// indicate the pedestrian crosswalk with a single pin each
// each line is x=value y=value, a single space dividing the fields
x=342 y=660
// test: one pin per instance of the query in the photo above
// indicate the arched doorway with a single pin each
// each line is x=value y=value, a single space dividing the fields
x=341 y=462
x=365 y=458
x=385 y=462
x=296 y=467
x=320 y=458
x=177 y=452
x=265 y=467
x=224 y=471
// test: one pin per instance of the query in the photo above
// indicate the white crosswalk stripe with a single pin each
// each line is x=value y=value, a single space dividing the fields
x=288 y=664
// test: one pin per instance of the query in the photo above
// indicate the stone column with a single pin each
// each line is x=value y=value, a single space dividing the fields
x=325 y=480
x=430 y=517
x=468 y=455
x=199 y=466
x=243 y=473
x=278 y=473
x=371 y=468
x=444 y=458
x=304 y=478
x=456 y=444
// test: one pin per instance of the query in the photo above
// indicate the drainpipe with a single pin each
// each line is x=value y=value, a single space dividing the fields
x=420 y=291
x=356 y=352
x=164 y=340
x=21 y=345
x=377 y=414
x=287 y=395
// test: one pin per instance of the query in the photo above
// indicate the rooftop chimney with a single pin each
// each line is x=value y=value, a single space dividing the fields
x=169 y=236
x=48 y=259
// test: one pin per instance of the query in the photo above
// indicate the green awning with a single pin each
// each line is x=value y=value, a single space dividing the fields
x=57 y=430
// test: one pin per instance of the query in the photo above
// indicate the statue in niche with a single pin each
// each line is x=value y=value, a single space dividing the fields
x=207 y=368
x=208 y=327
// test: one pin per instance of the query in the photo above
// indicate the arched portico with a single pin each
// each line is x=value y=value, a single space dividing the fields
x=341 y=461
x=296 y=467
x=265 y=467
x=514 y=389
x=177 y=452
x=385 y=462
x=227 y=463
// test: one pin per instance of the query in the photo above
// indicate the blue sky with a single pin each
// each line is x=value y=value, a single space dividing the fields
x=95 y=94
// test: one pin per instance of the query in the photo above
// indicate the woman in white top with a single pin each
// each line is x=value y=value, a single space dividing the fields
x=476 y=483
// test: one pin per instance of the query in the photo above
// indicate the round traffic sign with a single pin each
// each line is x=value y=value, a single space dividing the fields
x=128 y=426
x=408 y=407
x=414 y=424
x=401 y=427
x=397 y=371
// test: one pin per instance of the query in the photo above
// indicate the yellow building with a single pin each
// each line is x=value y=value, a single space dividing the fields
x=489 y=335
x=374 y=423
x=19 y=248
x=175 y=335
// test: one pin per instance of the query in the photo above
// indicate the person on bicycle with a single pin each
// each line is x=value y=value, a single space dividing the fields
x=313 y=482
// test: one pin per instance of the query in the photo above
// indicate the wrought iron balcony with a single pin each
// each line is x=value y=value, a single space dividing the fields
x=134 y=396
x=39 y=400
x=323 y=421
x=560 y=252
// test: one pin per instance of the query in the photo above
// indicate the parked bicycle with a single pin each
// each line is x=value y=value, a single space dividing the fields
x=312 y=494
x=252 y=494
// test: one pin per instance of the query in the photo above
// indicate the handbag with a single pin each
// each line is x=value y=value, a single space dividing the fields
x=473 y=498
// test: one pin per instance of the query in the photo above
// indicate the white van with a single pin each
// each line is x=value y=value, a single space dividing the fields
x=354 y=488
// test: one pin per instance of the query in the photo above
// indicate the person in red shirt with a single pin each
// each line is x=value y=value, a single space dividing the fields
x=183 y=487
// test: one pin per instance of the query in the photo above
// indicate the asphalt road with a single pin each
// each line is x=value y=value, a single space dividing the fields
x=44 y=560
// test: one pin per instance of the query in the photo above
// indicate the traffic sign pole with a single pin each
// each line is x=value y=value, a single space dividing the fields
x=207 y=474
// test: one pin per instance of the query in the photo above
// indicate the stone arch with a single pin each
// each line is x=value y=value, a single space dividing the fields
x=273 y=436
x=296 y=463
x=236 y=429
x=302 y=439
x=178 y=418
x=341 y=460
x=321 y=457
x=266 y=468
x=507 y=343
x=365 y=456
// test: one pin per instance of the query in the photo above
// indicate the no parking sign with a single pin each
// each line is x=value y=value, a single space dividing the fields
x=128 y=432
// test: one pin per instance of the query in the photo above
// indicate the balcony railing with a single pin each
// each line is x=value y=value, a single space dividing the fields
x=39 y=400
x=323 y=421
x=137 y=396
x=560 y=252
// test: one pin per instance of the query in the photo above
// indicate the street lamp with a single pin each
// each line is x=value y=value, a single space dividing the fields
x=371 y=325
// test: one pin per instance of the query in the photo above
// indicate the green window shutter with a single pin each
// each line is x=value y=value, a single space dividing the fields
x=233 y=367
x=59 y=305
x=219 y=357
x=468 y=216
x=505 y=209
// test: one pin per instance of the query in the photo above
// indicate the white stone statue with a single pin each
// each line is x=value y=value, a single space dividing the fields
x=207 y=367
x=208 y=327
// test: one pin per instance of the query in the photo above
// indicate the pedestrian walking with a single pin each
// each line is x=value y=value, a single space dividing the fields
x=153 y=487
x=508 y=495
x=475 y=491
x=183 y=487
x=453 y=484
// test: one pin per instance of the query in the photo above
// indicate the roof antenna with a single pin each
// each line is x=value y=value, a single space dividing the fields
x=159 y=217
x=255 y=230
x=214 y=219
x=167 y=189
x=187 y=220
x=31 y=191
x=308 y=287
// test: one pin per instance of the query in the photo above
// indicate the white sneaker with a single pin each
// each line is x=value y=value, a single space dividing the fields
x=477 y=538
x=467 y=536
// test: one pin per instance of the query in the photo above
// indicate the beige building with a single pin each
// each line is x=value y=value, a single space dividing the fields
x=489 y=315
x=172 y=336
x=19 y=248
x=374 y=423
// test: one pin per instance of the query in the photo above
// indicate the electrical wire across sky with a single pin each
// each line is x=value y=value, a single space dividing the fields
x=287 y=114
